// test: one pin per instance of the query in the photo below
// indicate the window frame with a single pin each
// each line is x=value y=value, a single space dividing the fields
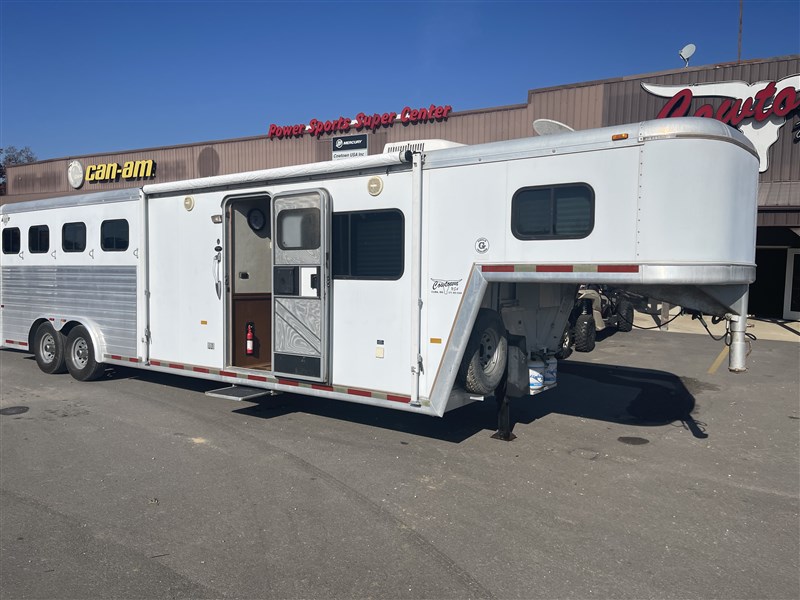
x=302 y=210
x=64 y=237
x=19 y=240
x=352 y=277
x=102 y=237
x=552 y=235
x=37 y=238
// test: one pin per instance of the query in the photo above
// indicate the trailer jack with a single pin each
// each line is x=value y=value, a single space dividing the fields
x=503 y=412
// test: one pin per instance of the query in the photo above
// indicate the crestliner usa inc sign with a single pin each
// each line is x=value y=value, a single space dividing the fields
x=363 y=121
x=349 y=146
x=758 y=110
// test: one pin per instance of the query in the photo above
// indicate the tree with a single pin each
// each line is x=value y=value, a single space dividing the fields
x=11 y=155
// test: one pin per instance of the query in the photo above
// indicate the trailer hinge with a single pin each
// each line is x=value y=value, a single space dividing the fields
x=146 y=338
x=418 y=368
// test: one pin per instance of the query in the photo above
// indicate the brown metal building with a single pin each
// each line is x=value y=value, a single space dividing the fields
x=759 y=96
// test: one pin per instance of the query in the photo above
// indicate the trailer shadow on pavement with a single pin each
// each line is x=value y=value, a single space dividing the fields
x=624 y=395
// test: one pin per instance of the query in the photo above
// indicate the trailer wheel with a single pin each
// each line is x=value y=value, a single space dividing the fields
x=585 y=333
x=624 y=315
x=486 y=355
x=80 y=356
x=48 y=348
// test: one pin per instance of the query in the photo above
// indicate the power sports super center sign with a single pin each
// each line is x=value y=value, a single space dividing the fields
x=758 y=110
x=362 y=122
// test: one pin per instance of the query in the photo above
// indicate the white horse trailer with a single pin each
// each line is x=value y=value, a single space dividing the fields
x=418 y=280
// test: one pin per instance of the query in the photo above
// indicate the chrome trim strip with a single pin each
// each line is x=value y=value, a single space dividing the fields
x=126 y=195
x=698 y=136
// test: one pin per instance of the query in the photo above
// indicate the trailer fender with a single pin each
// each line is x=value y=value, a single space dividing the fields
x=98 y=342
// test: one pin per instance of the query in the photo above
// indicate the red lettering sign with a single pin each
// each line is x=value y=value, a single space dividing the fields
x=733 y=112
x=373 y=122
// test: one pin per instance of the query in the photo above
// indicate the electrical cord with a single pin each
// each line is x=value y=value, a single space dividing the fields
x=654 y=327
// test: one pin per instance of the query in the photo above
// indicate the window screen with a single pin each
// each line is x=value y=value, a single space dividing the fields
x=298 y=229
x=39 y=239
x=114 y=235
x=73 y=237
x=11 y=243
x=368 y=245
x=556 y=212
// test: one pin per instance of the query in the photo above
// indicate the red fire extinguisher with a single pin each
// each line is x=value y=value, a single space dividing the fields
x=249 y=339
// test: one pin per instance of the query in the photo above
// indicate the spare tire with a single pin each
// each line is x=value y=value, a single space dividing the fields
x=486 y=356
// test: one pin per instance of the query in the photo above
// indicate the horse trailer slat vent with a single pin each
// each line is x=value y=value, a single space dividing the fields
x=419 y=146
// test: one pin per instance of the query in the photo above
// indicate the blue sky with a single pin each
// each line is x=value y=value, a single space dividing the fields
x=90 y=77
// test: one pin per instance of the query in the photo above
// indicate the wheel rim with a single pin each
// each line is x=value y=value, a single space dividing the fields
x=47 y=348
x=80 y=353
x=488 y=351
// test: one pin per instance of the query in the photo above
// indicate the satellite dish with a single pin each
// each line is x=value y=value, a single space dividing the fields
x=549 y=127
x=686 y=53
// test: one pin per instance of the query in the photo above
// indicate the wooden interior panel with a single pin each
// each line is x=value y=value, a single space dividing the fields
x=253 y=308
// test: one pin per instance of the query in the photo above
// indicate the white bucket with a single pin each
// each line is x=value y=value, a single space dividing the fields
x=536 y=369
x=551 y=371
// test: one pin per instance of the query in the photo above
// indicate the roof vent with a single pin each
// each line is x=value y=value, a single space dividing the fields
x=419 y=146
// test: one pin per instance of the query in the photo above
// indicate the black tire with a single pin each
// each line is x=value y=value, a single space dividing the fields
x=567 y=341
x=48 y=348
x=585 y=333
x=486 y=356
x=624 y=315
x=80 y=355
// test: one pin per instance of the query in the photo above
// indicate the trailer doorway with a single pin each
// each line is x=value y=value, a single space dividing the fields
x=249 y=282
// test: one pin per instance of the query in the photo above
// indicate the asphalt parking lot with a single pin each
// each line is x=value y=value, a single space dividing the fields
x=645 y=474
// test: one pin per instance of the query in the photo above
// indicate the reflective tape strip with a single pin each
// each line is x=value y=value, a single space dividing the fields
x=350 y=391
x=560 y=268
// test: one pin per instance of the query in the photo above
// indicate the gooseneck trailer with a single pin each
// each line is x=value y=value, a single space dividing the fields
x=420 y=279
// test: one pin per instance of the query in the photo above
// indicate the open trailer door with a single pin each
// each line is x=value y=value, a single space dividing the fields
x=301 y=285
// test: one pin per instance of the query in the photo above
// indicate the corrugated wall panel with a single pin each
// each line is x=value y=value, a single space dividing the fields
x=580 y=108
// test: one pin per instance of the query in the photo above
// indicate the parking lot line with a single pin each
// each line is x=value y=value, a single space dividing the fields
x=721 y=357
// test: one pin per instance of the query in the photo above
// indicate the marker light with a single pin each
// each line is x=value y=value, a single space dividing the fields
x=619 y=136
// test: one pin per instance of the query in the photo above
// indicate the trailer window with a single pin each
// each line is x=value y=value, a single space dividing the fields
x=39 y=239
x=114 y=235
x=368 y=245
x=298 y=229
x=11 y=240
x=555 y=212
x=73 y=237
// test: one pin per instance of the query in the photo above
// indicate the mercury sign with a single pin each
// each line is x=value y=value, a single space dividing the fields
x=349 y=146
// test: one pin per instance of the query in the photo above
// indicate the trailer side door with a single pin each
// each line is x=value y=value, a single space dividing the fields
x=301 y=284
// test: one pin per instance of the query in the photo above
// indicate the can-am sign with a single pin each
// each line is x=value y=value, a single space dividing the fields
x=758 y=110
x=363 y=121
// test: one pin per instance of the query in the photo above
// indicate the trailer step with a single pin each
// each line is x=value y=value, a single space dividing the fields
x=240 y=392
